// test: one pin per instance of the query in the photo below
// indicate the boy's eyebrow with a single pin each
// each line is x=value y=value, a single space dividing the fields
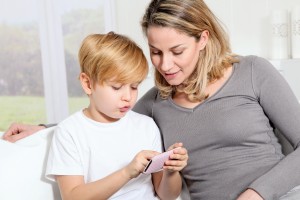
x=112 y=82
x=135 y=83
x=115 y=82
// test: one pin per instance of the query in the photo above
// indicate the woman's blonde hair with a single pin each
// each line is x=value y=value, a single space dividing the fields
x=110 y=56
x=192 y=17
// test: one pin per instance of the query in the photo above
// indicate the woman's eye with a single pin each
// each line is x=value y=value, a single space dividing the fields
x=155 y=53
x=177 y=53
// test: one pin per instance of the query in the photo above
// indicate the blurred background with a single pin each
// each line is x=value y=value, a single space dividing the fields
x=39 y=41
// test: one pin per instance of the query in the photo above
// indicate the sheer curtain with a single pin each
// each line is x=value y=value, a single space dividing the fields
x=39 y=42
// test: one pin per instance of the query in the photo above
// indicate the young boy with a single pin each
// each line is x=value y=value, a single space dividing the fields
x=98 y=152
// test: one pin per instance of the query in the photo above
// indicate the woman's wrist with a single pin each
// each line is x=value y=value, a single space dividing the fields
x=47 y=125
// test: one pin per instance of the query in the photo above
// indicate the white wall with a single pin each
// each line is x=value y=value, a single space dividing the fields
x=128 y=16
x=247 y=23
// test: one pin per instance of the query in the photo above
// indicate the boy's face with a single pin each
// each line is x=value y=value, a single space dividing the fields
x=112 y=100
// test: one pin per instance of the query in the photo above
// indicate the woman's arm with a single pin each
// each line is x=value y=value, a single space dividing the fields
x=168 y=184
x=283 y=110
x=17 y=131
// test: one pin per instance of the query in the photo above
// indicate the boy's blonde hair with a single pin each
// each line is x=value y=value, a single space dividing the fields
x=192 y=17
x=112 y=57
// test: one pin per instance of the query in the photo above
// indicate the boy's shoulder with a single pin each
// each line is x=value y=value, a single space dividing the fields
x=140 y=119
x=71 y=120
x=142 y=122
x=137 y=116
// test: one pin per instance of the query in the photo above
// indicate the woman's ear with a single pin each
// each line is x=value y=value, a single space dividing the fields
x=203 y=39
x=86 y=83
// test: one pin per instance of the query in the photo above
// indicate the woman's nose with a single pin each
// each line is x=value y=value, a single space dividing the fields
x=166 y=63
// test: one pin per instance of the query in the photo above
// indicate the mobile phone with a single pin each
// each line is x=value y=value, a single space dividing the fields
x=157 y=162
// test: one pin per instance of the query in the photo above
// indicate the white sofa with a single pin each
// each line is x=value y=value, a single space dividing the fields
x=22 y=168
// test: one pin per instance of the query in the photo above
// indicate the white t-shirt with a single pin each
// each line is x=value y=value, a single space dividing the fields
x=82 y=146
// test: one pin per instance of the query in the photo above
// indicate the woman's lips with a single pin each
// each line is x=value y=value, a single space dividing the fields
x=169 y=76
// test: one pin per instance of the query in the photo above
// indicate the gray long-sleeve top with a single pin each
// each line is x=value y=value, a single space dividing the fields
x=230 y=136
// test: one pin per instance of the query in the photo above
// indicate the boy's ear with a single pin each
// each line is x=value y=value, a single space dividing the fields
x=86 y=83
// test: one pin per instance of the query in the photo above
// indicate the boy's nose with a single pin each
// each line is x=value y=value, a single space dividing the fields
x=126 y=95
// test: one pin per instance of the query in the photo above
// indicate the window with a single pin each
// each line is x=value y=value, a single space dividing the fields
x=79 y=19
x=38 y=57
x=21 y=80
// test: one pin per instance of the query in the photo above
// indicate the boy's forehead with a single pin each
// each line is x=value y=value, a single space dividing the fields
x=115 y=81
x=112 y=80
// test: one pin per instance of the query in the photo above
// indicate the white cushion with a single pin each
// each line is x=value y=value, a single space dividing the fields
x=22 y=168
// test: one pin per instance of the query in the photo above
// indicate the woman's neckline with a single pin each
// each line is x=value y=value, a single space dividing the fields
x=218 y=90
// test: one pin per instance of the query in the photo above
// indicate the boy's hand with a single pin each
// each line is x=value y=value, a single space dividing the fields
x=139 y=162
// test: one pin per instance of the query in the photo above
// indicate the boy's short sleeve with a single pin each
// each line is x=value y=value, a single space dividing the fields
x=63 y=156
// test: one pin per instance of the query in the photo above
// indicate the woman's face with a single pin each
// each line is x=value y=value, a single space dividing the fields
x=173 y=54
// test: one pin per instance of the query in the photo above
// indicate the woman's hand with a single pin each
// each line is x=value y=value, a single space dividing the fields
x=17 y=131
x=178 y=160
x=249 y=194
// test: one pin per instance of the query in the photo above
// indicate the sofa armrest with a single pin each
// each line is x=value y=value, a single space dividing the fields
x=23 y=167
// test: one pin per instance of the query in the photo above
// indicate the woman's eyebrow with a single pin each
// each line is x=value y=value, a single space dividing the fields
x=174 y=47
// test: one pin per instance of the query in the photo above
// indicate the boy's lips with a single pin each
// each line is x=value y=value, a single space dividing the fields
x=125 y=108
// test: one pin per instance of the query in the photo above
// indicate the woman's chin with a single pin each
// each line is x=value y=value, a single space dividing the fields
x=174 y=82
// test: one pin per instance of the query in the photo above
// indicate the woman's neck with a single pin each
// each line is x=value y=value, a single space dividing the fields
x=181 y=98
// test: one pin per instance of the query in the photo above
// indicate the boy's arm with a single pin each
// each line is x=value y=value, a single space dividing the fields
x=74 y=188
x=168 y=183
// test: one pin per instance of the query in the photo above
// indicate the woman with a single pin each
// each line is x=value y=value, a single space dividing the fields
x=224 y=108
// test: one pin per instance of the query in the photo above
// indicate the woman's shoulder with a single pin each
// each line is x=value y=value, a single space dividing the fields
x=259 y=71
x=256 y=64
x=151 y=93
x=145 y=103
x=250 y=59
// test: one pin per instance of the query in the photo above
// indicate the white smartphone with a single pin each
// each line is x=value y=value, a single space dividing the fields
x=157 y=162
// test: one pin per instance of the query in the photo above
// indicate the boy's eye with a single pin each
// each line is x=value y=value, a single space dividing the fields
x=116 y=87
x=134 y=86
